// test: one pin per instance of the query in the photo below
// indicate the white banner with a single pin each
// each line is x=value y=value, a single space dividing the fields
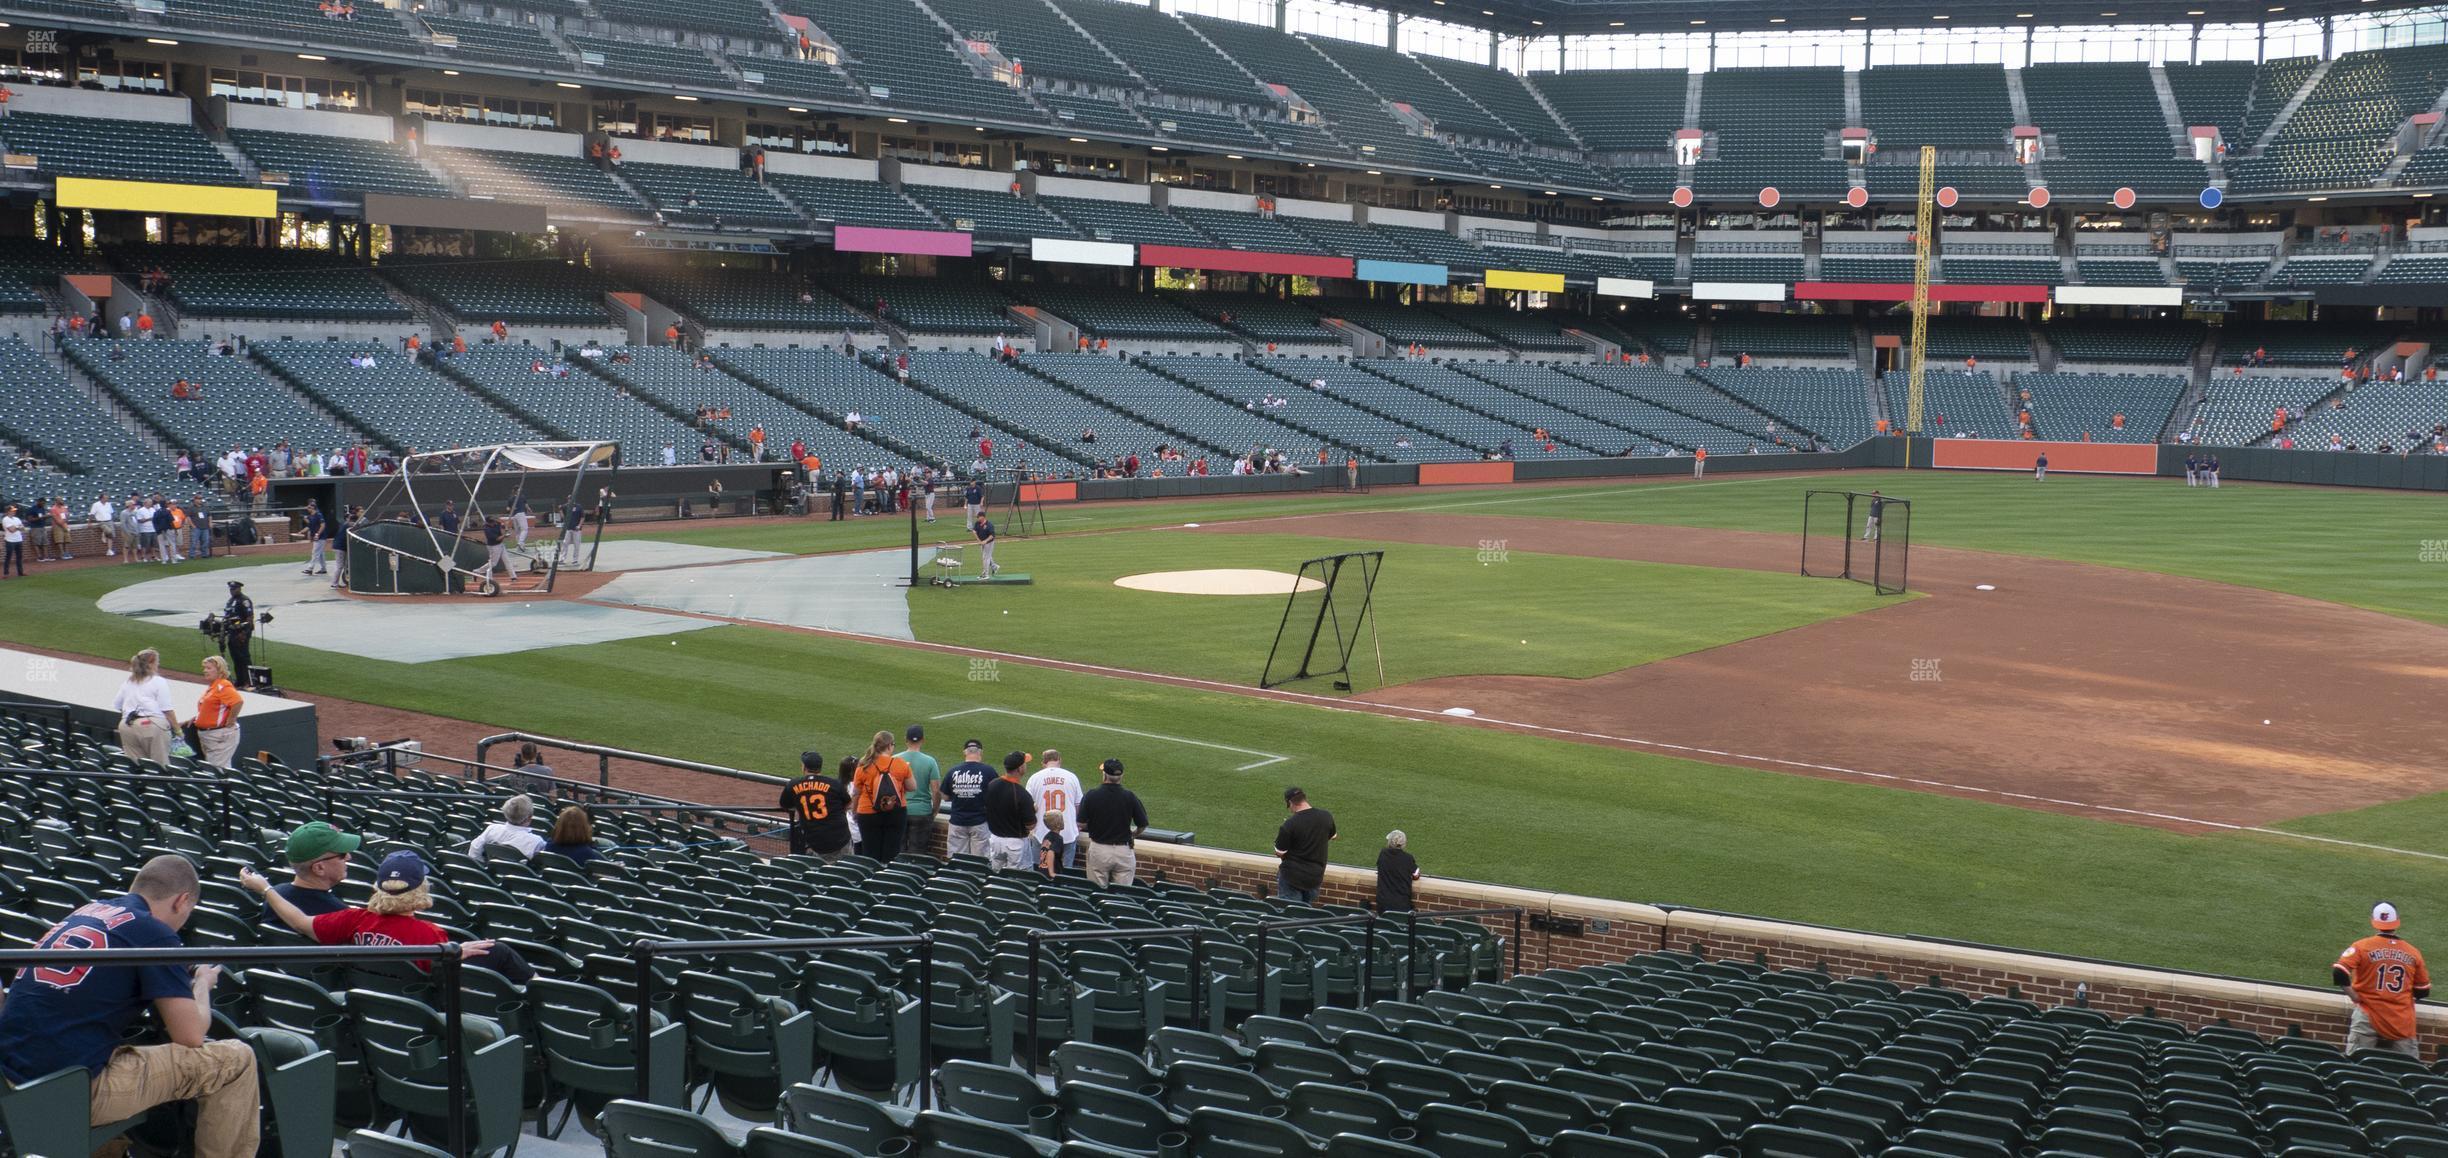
x=1738 y=291
x=2119 y=295
x=1082 y=252
x=1626 y=287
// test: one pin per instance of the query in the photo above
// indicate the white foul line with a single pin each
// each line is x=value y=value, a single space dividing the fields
x=1271 y=758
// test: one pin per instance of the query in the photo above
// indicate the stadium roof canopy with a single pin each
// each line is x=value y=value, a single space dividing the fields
x=1582 y=17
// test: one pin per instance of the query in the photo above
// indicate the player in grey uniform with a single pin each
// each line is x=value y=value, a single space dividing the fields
x=1870 y=523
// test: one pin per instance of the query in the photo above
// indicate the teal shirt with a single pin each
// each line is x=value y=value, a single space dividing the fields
x=924 y=772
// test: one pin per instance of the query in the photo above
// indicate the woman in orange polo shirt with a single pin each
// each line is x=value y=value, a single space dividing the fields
x=216 y=715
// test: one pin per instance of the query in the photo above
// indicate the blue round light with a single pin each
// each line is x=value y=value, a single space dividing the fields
x=2212 y=196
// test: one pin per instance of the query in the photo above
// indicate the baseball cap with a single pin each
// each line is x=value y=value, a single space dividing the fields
x=2384 y=916
x=401 y=871
x=317 y=839
x=1111 y=767
x=973 y=745
x=1014 y=761
x=915 y=733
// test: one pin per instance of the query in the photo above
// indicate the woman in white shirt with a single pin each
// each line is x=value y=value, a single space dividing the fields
x=146 y=722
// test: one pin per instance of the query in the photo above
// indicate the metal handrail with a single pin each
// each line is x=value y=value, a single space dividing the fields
x=444 y=959
x=644 y=952
x=604 y=756
x=1368 y=951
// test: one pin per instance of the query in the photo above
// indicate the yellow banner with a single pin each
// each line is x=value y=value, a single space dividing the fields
x=160 y=197
x=1515 y=279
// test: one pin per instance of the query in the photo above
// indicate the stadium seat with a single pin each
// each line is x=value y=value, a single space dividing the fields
x=850 y=1121
x=642 y=1130
x=749 y=1048
x=405 y=1069
x=590 y=1051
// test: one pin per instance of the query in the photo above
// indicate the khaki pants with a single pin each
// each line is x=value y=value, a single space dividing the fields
x=145 y=739
x=965 y=840
x=1007 y=852
x=219 y=1078
x=220 y=746
x=2361 y=1035
x=1112 y=864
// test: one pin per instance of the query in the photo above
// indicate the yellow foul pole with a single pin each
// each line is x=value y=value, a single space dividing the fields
x=1922 y=221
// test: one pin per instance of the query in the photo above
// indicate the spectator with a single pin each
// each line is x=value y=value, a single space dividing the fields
x=573 y=835
x=2385 y=976
x=56 y=1018
x=1396 y=873
x=818 y=808
x=534 y=774
x=146 y=722
x=216 y=718
x=1010 y=815
x=512 y=831
x=388 y=918
x=318 y=856
x=199 y=529
x=105 y=519
x=926 y=779
x=1056 y=793
x=1301 y=843
x=963 y=796
x=881 y=795
x=1112 y=818
x=12 y=533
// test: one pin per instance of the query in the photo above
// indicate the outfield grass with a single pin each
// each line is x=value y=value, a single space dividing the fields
x=1477 y=803
x=1440 y=610
x=2358 y=547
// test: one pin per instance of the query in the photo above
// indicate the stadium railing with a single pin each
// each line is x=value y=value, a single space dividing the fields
x=605 y=755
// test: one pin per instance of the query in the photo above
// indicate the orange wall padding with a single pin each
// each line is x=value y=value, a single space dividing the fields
x=1432 y=474
x=2078 y=457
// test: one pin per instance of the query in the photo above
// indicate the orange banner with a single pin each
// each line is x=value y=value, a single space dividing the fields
x=1434 y=474
x=2074 y=457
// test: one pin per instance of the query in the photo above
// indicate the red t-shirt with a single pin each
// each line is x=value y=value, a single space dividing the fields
x=359 y=927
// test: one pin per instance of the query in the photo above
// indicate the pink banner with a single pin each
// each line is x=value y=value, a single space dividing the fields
x=869 y=239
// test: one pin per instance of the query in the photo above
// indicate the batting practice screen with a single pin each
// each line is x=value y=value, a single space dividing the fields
x=1863 y=537
x=1323 y=620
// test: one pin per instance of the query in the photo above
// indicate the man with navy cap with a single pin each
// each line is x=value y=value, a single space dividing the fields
x=964 y=796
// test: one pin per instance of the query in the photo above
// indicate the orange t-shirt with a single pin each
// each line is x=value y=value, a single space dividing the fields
x=2383 y=973
x=218 y=707
x=863 y=782
x=1700 y=453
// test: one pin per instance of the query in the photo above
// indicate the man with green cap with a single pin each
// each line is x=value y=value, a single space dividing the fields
x=318 y=861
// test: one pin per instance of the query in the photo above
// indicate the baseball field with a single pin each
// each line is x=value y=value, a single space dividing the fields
x=2181 y=727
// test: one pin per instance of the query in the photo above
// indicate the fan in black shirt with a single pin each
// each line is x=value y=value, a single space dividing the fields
x=819 y=810
x=1396 y=872
x=1301 y=842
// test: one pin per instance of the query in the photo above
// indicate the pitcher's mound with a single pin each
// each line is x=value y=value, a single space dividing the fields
x=1222 y=581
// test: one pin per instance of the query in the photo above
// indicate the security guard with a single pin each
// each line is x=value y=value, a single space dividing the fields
x=239 y=613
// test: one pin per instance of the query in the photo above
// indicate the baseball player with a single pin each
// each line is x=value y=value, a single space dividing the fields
x=2040 y=468
x=1870 y=523
x=926 y=488
x=973 y=501
x=986 y=543
x=496 y=555
x=2192 y=470
x=2386 y=977
x=2210 y=470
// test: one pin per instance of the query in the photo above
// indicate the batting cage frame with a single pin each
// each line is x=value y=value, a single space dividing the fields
x=1839 y=540
x=1329 y=631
